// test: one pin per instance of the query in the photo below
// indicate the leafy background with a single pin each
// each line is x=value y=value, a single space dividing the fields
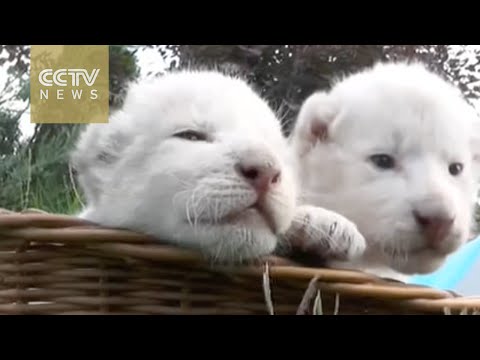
x=34 y=171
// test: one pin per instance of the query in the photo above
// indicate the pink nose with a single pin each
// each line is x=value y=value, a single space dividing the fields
x=435 y=228
x=260 y=177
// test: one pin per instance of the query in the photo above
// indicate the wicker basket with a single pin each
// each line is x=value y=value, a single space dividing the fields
x=55 y=264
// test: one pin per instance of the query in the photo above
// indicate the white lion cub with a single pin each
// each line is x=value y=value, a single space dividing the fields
x=198 y=159
x=394 y=148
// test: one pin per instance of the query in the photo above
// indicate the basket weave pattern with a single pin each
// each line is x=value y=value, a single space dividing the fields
x=55 y=264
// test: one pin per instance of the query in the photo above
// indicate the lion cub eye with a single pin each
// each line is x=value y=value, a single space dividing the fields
x=455 y=169
x=383 y=161
x=191 y=135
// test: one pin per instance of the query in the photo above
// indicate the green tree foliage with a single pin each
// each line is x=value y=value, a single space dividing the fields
x=122 y=69
x=9 y=133
x=286 y=74
x=35 y=172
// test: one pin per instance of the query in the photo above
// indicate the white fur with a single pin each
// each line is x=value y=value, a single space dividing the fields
x=413 y=114
x=324 y=234
x=136 y=174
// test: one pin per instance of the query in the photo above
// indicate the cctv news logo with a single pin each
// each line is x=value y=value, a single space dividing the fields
x=72 y=78
x=69 y=84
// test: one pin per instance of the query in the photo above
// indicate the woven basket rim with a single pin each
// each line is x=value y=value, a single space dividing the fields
x=39 y=227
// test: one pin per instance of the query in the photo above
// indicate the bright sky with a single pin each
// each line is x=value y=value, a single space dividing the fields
x=149 y=60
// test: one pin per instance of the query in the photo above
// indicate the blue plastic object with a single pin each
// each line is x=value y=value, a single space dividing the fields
x=463 y=264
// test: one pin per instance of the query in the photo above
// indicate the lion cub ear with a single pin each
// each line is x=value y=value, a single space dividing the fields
x=314 y=121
